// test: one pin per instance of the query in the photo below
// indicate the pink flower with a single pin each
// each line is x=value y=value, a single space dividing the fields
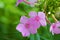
x=55 y=28
x=31 y=2
x=40 y=17
x=27 y=26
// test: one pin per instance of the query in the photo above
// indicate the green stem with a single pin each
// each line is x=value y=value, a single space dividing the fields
x=54 y=18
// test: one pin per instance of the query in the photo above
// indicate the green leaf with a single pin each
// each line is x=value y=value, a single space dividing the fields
x=31 y=37
x=37 y=36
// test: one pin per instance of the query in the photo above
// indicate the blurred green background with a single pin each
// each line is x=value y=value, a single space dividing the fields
x=10 y=16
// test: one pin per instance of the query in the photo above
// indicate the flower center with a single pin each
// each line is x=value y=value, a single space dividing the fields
x=37 y=18
x=27 y=25
x=53 y=26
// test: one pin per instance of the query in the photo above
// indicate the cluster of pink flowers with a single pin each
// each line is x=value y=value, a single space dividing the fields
x=30 y=25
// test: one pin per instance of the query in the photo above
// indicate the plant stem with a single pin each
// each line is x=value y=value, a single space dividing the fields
x=54 y=18
x=45 y=6
x=48 y=20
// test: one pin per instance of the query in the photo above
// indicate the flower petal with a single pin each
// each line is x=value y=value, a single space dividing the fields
x=58 y=24
x=23 y=19
x=32 y=30
x=43 y=22
x=33 y=26
x=32 y=14
x=56 y=30
x=34 y=23
x=41 y=15
x=21 y=28
x=51 y=28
